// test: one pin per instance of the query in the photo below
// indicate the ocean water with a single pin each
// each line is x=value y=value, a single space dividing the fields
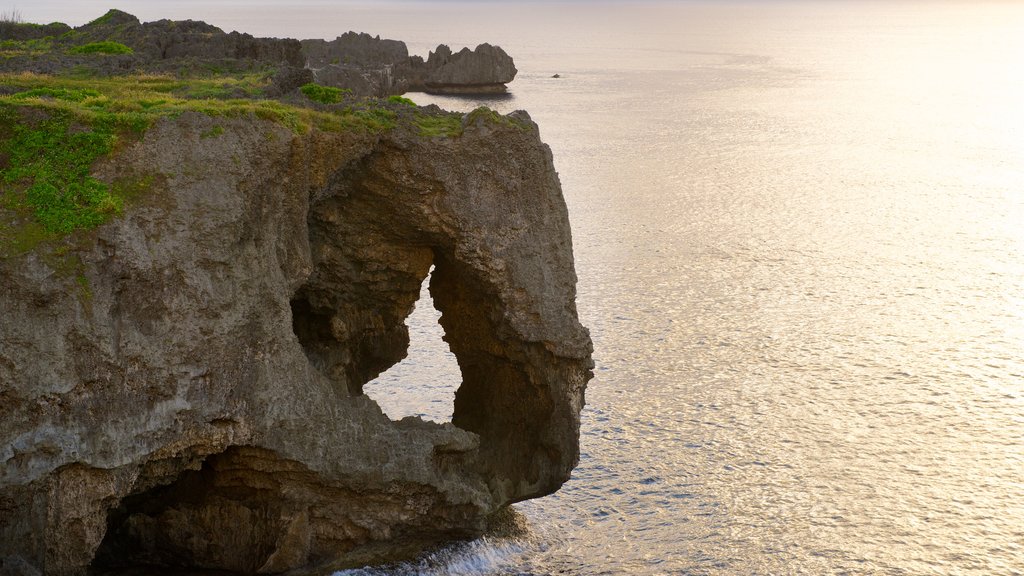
x=799 y=234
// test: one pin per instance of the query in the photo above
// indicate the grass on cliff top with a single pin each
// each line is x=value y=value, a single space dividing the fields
x=104 y=47
x=47 y=44
x=453 y=125
x=46 y=189
x=33 y=47
x=53 y=129
x=446 y=126
x=137 y=101
x=396 y=99
x=324 y=94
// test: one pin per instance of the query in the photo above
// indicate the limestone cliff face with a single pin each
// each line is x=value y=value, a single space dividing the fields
x=354 y=49
x=484 y=70
x=371 y=66
x=193 y=397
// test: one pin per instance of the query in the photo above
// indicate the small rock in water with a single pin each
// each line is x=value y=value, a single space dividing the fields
x=557 y=76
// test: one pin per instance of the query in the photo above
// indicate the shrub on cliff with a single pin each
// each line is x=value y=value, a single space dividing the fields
x=105 y=47
x=324 y=94
x=396 y=99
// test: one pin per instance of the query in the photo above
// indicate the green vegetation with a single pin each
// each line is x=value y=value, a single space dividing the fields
x=448 y=126
x=324 y=94
x=213 y=132
x=486 y=115
x=218 y=85
x=396 y=99
x=134 y=102
x=34 y=47
x=48 y=44
x=110 y=15
x=70 y=95
x=453 y=125
x=49 y=164
x=54 y=128
x=84 y=289
x=104 y=47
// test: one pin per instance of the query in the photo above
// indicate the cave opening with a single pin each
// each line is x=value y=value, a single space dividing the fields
x=424 y=383
x=227 y=514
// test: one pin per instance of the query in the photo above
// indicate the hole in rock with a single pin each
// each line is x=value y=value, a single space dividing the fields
x=424 y=383
x=227 y=515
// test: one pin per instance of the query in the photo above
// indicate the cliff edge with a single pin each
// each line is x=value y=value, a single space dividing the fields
x=362 y=64
x=193 y=292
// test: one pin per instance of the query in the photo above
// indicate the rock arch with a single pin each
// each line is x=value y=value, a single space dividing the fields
x=504 y=285
x=234 y=319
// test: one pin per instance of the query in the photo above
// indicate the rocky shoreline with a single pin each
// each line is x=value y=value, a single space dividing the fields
x=204 y=255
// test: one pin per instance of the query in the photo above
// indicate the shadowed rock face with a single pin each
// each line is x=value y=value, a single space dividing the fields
x=484 y=70
x=200 y=405
x=169 y=39
x=370 y=66
x=354 y=49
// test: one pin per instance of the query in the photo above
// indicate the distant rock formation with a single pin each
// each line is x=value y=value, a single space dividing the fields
x=366 y=65
x=19 y=31
x=485 y=70
x=164 y=47
x=187 y=39
x=370 y=66
x=354 y=49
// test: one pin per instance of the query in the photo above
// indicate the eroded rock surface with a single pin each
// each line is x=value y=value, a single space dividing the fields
x=190 y=394
x=163 y=46
x=363 y=64
x=485 y=70
x=371 y=66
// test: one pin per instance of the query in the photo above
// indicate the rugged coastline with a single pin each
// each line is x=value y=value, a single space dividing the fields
x=362 y=64
x=205 y=254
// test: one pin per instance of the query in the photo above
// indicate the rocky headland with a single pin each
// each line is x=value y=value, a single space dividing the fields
x=366 y=65
x=199 y=270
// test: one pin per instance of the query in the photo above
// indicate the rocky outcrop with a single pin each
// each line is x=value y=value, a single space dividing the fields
x=370 y=66
x=485 y=70
x=21 y=31
x=363 y=64
x=187 y=391
x=354 y=49
x=164 y=46
x=169 y=39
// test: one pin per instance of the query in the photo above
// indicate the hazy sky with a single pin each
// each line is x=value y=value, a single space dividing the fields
x=465 y=22
x=78 y=12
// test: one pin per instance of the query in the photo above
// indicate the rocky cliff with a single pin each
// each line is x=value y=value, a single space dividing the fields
x=485 y=70
x=371 y=66
x=180 y=376
x=362 y=64
x=129 y=45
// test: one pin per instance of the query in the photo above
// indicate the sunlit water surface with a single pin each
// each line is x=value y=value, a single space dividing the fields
x=799 y=232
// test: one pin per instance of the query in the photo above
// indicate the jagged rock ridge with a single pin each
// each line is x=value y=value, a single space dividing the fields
x=366 y=65
x=484 y=70
x=372 y=66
